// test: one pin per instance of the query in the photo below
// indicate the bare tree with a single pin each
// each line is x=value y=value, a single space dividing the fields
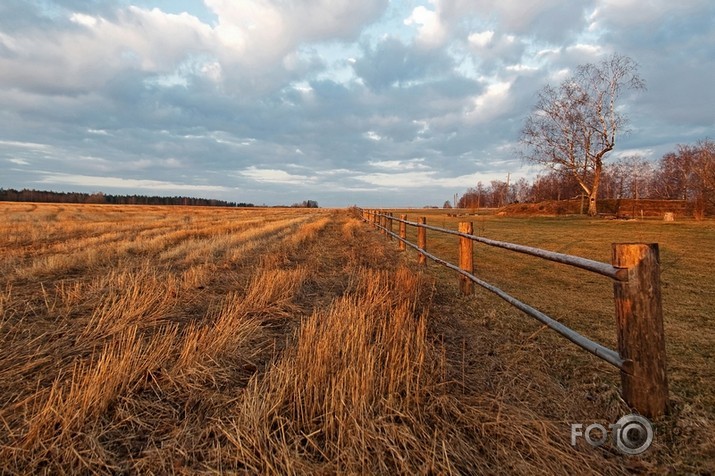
x=672 y=179
x=574 y=126
x=630 y=177
x=702 y=179
x=498 y=196
x=473 y=198
x=521 y=190
x=555 y=185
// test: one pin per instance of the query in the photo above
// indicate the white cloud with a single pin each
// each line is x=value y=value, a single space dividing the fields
x=84 y=20
x=263 y=32
x=425 y=180
x=55 y=178
x=585 y=52
x=521 y=68
x=372 y=135
x=100 y=132
x=148 y=40
x=212 y=70
x=225 y=138
x=275 y=176
x=431 y=31
x=275 y=94
x=399 y=180
x=496 y=49
x=482 y=39
x=491 y=104
x=24 y=145
x=396 y=165
x=551 y=19
x=633 y=12
x=647 y=153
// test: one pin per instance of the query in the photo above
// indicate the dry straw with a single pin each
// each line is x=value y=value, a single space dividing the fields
x=299 y=345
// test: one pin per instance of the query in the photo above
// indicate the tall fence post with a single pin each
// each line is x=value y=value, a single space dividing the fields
x=639 y=317
x=466 y=257
x=389 y=225
x=403 y=232
x=422 y=240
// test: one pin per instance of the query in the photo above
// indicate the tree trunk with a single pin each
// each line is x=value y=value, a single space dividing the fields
x=593 y=193
x=592 y=208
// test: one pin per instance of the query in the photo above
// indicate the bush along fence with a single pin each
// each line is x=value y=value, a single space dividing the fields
x=635 y=271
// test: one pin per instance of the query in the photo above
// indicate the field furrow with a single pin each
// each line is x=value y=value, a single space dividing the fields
x=159 y=340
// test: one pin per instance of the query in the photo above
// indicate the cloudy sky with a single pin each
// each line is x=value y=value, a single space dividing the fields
x=370 y=102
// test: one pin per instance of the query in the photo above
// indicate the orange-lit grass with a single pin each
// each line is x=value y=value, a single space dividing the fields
x=105 y=337
x=584 y=302
x=305 y=348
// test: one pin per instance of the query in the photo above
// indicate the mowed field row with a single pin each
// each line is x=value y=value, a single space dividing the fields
x=173 y=340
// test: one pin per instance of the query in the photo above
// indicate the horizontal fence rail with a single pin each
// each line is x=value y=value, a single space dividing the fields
x=641 y=346
x=605 y=269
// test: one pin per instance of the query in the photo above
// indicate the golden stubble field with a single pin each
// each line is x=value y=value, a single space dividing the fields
x=174 y=340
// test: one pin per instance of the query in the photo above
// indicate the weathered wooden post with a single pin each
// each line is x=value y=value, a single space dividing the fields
x=466 y=257
x=403 y=232
x=422 y=239
x=389 y=225
x=639 y=317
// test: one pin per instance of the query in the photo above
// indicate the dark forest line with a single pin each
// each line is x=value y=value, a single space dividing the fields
x=31 y=195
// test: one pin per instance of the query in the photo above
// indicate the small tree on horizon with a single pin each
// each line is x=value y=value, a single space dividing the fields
x=573 y=127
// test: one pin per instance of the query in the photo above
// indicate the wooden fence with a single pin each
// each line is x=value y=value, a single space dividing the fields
x=635 y=271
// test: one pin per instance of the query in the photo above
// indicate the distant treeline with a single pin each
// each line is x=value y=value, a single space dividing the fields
x=688 y=174
x=28 y=195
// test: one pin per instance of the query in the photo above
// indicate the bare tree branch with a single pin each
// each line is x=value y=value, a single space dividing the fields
x=573 y=127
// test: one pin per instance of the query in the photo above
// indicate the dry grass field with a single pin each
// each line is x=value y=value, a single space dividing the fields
x=584 y=302
x=170 y=340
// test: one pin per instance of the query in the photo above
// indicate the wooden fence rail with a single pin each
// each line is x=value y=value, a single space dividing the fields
x=639 y=318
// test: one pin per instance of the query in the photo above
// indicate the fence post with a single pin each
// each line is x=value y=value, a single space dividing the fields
x=383 y=222
x=422 y=240
x=389 y=225
x=639 y=317
x=403 y=232
x=466 y=257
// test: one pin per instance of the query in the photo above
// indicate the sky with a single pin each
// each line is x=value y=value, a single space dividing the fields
x=371 y=102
